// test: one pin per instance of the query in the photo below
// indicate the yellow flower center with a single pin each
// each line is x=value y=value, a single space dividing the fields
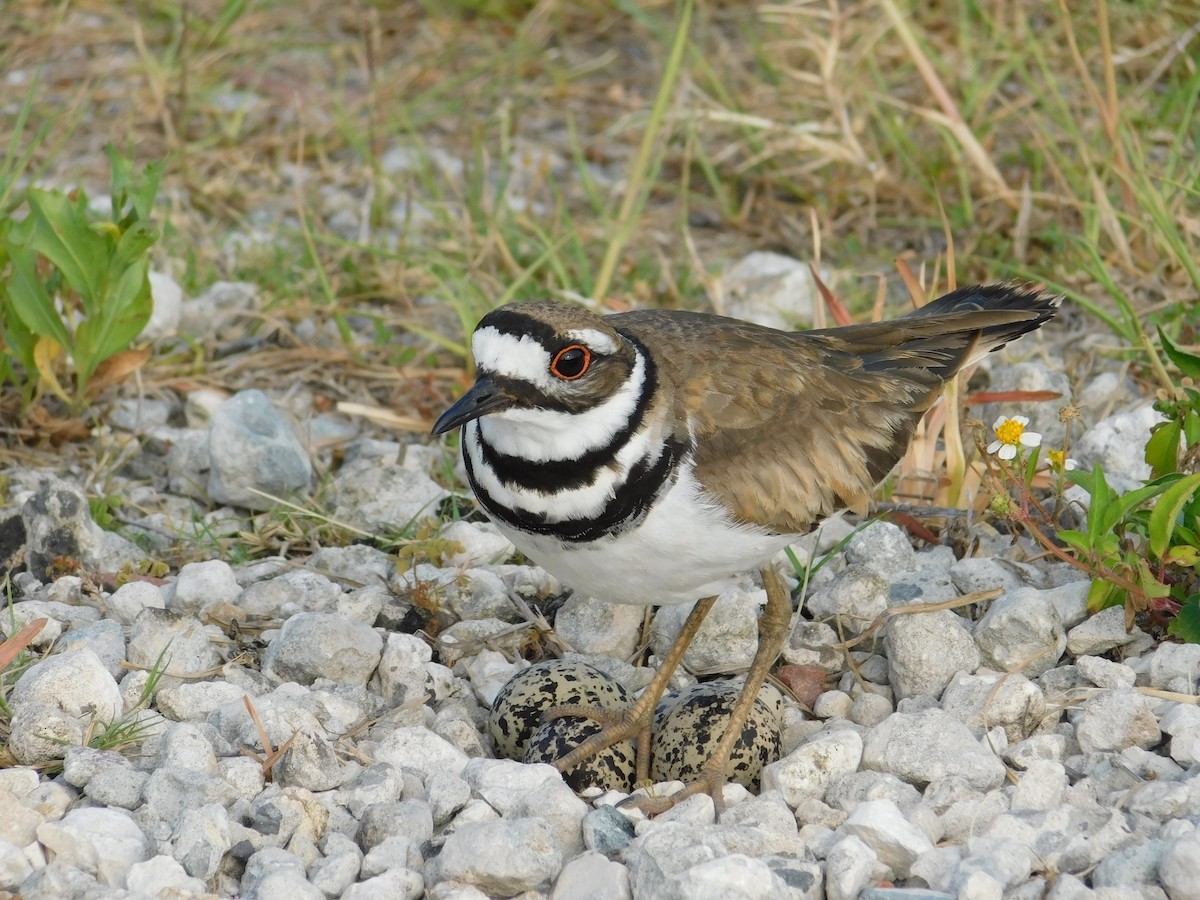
x=1056 y=458
x=1010 y=431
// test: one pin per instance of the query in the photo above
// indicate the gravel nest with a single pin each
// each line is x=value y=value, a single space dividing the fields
x=1013 y=747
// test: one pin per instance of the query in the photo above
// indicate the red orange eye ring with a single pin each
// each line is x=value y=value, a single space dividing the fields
x=571 y=362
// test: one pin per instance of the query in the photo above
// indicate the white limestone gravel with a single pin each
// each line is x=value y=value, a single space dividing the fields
x=1018 y=748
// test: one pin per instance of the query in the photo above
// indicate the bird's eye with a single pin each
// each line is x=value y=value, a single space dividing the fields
x=571 y=362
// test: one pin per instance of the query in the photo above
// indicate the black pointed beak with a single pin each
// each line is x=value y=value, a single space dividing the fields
x=485 y=396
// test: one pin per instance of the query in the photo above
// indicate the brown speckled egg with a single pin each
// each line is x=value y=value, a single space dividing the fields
x=520 y=705
x=689 y=723
x=612 y=768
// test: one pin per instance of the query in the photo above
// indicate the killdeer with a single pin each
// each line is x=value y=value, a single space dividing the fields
x=652 y=457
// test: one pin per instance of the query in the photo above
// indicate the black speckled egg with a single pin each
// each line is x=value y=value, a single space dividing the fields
x=519 y=707
x=612 y=768
x=689 y=723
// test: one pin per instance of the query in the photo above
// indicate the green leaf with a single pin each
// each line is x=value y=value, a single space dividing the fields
x=1076 y=539
x=1101 y=494
x=1187 y=363
x=1167 y=510
x=1102 y=595
x=60 y=230
x=126 y=311
x=1191 y=426
x=1127 y=503
x=1186 y=625
x=1162 y=450
x=128 y=189
x=30 y=300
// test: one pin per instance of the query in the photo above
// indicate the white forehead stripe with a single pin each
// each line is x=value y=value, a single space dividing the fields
x=597 y=341
x=521 y=357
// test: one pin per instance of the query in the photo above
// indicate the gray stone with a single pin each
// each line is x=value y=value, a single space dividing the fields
x=274 y=874
x=466 y=593
x=408 y=819
x=105 y=638
x=606 y=830
x=597 y=626
x=423 y=751
x=196 y=700
x=1179 y=870
x=1021 y=632
x=323 y=645
x=1102 y=632
x=311 y=763
x=1070 y=598
x=881 y=826
x=1040 y=787
x=169 y=793
x=395 y=884
x=54 y=699
x=81 y=764
x=482 y=544
x=770 y=289
x=118 y=787
x=186 y=745
x=926 y=650
x=1116 y=719
x=856 y=597
x=372 y=497
x=446 y=794
x=58 y=881
x=727 y=639
x=201 y=839
x=1118 y=444
x=983 y=573
x=849 y=867
x=14 y=865
x=1105 y=673
x=58 y=525
x=592 y=876
x=881 y=547
x=814 y=644
x=292 y=592
x=809 y=769
x=920 y=748
x=990 y=699
x=396 y=853
x=339 y=867
x=201 y=585
x=175 y=643
x=358 y=565
x=253 y=451
x=1176 y=667
x=124 y=604
x=101 y=842
x=162 y=876
x=502 y=857
x=187 y=461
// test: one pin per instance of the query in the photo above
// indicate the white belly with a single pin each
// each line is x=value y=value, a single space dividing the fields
x=685 y=548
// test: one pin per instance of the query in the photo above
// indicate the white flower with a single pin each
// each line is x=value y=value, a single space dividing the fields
x=1060 y=462
x=1010 y=434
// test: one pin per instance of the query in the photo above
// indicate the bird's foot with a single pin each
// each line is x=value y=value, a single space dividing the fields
x=711 y=781
x=632 y=723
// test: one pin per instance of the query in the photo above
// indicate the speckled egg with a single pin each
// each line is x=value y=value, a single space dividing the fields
x=612 y=768
x=519 y=706
x=689 y=723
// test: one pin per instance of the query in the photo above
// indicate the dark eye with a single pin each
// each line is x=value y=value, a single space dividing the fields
x=571 y=362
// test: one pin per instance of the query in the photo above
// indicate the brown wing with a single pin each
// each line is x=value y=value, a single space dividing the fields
x=792 y=427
